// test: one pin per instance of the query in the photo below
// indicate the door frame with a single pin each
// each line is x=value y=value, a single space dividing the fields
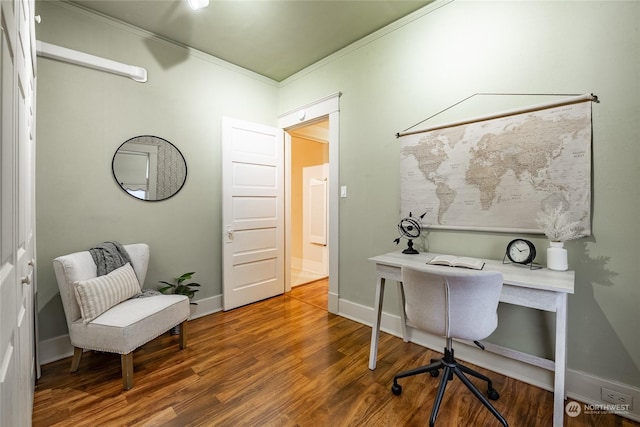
x=328 y=107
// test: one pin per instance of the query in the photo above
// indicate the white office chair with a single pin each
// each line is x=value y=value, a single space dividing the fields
x=101 y=315
x=453 y=303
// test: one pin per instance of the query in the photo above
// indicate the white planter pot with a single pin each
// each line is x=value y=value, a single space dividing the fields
x=557 y=256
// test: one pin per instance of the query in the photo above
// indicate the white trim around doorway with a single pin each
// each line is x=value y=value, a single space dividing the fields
x=328 y=107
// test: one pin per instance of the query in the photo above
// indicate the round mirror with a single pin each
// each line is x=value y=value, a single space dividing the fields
x=149 y=168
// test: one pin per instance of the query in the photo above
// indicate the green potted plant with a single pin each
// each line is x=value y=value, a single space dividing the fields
x=178 y=287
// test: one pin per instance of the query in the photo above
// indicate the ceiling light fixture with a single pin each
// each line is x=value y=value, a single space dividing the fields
x=198 y=4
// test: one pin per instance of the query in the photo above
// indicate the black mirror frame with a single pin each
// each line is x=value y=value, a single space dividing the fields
x=113 y=172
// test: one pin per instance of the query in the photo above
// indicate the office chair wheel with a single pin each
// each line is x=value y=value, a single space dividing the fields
x=396 y=389
x=434 y=373
x=493 y=394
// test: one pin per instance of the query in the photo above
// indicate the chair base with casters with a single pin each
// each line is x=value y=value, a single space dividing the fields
x=450 y=366
x=454 y=304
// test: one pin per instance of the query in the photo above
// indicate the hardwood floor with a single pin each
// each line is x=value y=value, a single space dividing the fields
x=285 y=361
x=315 y=293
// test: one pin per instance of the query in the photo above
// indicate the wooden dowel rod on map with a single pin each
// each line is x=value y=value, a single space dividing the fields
x=557 y=103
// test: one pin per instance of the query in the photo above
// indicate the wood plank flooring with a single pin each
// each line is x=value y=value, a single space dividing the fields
x=285 y=361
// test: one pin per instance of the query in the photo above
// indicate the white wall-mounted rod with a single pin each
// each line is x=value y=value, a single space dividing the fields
x=71 y=56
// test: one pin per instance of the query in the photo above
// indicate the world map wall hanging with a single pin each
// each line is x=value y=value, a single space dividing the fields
x=495 y=174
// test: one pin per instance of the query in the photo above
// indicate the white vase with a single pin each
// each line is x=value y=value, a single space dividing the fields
x=557 y=256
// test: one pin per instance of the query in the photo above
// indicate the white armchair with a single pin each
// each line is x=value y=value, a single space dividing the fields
x=100 y=315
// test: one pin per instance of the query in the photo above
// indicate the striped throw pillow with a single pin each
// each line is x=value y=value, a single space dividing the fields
x=95 y=296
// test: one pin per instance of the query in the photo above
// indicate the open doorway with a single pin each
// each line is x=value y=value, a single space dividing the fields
x=309 y=168
x=309 y=207
x=322 y=116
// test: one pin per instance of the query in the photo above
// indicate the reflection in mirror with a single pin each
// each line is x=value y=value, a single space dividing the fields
x=149 y=168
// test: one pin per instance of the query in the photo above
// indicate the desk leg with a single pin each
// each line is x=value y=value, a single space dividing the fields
x=375 y=329
x=403 y=319
x=561 y=360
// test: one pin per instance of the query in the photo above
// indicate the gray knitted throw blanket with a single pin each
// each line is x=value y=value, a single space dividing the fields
x=109 y=256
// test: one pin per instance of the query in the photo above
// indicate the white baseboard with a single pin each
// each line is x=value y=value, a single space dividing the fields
x=54 y=349
x=581 y=386
x=333 y=303
x=206 y=306
x=586 y=388
x=296 y=263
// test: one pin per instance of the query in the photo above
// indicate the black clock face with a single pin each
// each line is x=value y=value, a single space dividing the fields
x=521 y=251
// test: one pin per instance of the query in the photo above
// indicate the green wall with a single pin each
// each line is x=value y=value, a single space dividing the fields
x=449 y=51
x=84 y=115
x=402 y=75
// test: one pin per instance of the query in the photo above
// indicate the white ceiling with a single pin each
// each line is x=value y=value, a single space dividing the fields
x=274 y=38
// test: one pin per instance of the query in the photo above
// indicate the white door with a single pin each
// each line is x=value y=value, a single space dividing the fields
x=17 y=224
x=252 y=212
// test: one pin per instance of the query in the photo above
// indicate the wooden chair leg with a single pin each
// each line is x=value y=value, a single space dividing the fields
x=77 y=355
x=126 y=360
x=183 y=335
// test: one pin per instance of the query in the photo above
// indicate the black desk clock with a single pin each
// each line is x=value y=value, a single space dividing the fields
x=521 y=251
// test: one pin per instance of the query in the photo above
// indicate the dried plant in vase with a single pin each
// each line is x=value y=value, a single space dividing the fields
x=556 y=224
x=558 y=227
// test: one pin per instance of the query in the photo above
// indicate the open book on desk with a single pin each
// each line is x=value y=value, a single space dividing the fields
x=455 y=261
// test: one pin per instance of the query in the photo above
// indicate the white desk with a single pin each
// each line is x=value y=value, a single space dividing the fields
x=541 y=289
